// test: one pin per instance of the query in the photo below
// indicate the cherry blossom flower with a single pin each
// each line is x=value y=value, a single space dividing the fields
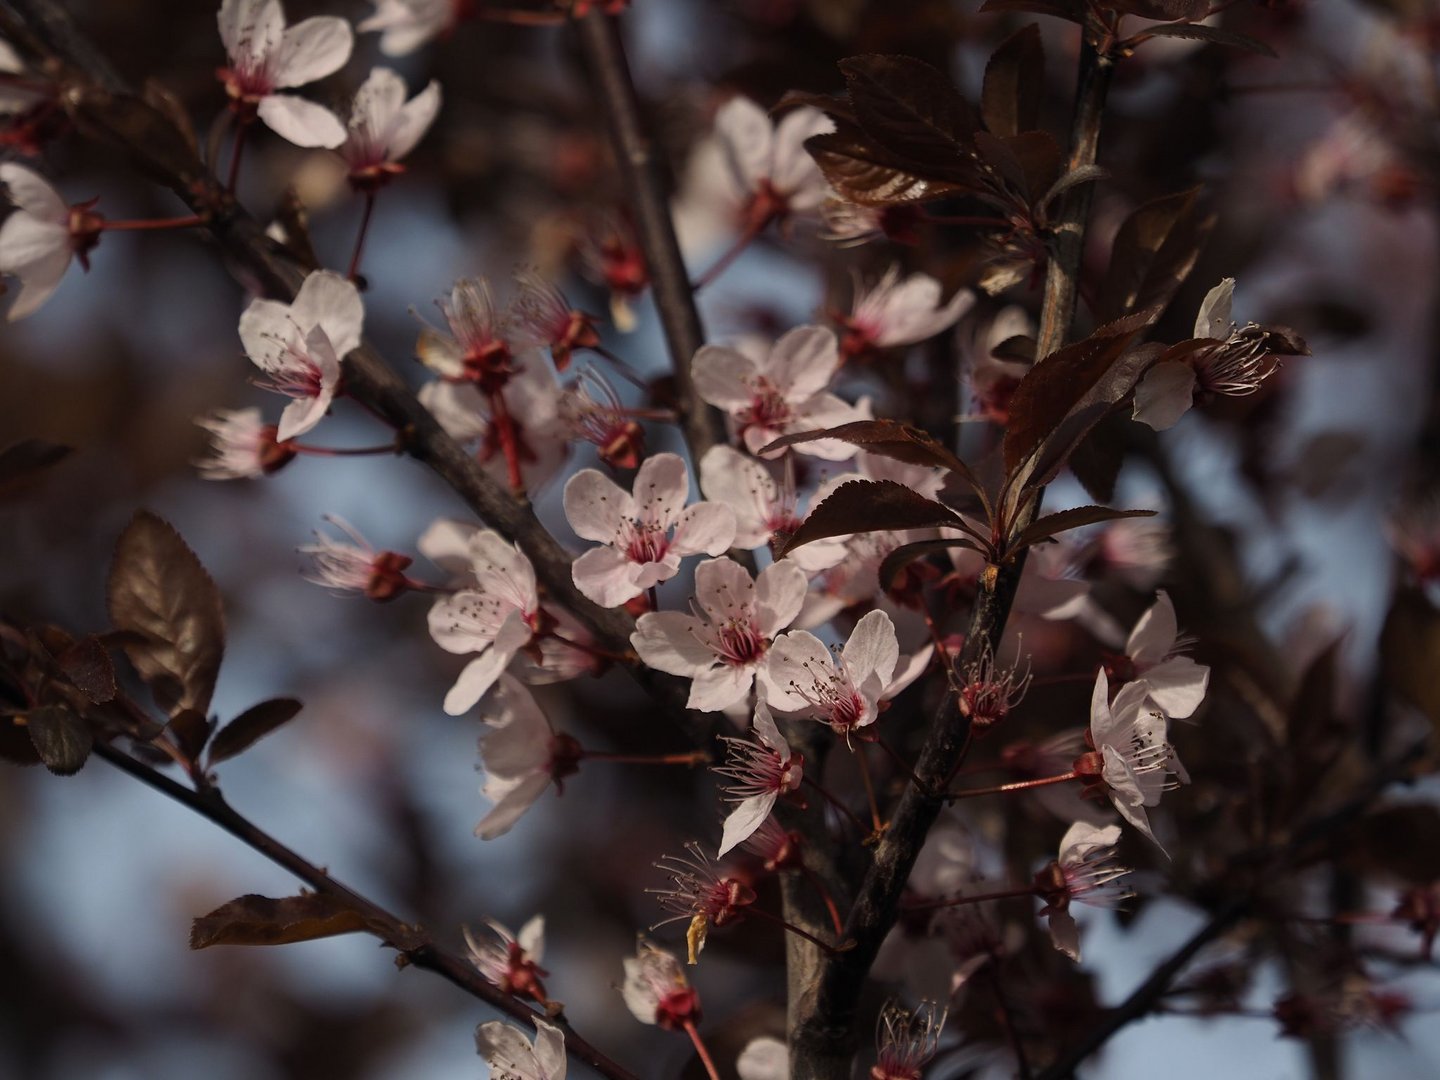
x=1230 y=361
x=512 y=963
x=1050 y=585
x=700 y=894
x=522 y=420
x=496 y=617
x=645 y=535
x=299 y=346
x=761 y=770
x=405 y=25
x=522 y=756
x=906 y=1040
x=591 y=411
x=543 y=316
x=384 y=127
x=1131 y=760
x=992 y=378
x=989 y=691
x=356 y=566
x=40 y=237
x=1355 y=155
x=656 y=990
x=721 y=646
x=1135 y=550
x=895 y=312
x=266 y=56
x=1086 y=872
x=850 y=224
x=776 y=848
x=765 y=1058
x=766 y=512
x=511 y=1056
x=242 y=446
x=1176 y=683
x=773 y=176
x=610 y=255
x=479 y=346
x=770 y=392
x=844 y=690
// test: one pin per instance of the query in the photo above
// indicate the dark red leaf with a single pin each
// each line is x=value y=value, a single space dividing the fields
x=1014 y=84
x=254 y=723
x=905 y=554
x=62 y=739
x=861 y=506
x=160 y=594
x=1213 y=34
x=909 y=108
x=863 y=173
x=1052 y=525
x=87 y=664
x=262 y=920
x=1071 y=10
x=190 y=730
x=1154 y=251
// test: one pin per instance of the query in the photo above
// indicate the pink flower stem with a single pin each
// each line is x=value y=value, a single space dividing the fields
x=778 y=921
x=978 y=898
x=743 y=241
x=905 y=766
x=355 y=451
x=705 y=1058
x=819 y=886
x=694 y=757
x=508 y=445
x=1014 y=785
x=237 y=150
x=879 y=826
x=354 y=271
x=845 y=811
x=425 y=587
x=189 y=221
x=624 y=370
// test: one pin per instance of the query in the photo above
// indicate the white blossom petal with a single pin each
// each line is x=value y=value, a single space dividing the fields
x=301 y=122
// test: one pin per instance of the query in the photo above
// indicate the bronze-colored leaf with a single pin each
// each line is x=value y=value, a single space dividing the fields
x=162 y=596
x=864 y=173
x=909 y=108
x=1053 y=387
x=1097 y=460
x=87 y=665
x=1014 y=84
x=888 y=438
x=860 y=506
x=1215 y=35
x=62 y=739
x=21 y=461
x=1052 y=525
x=190 y=730
x=905 y=554
x=254 y=723
x=1154 y=251
x=262 y=920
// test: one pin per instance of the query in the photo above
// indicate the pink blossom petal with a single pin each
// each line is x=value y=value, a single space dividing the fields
x=1177 y=686
x=666 y=641
x=662 y=484
x=720 y=687
x=792 y=169
x=724 y=377
x=1064 y=934
x=724 y=589
x=741 y=823
x=706 y=527
x=596 y=506
x=747 y=139
x=779 y=593
x=414 y=120
x=873 y=648
x=605 y=576
x=796 y=659
x=1154 y=634
x=803 y=362
x=312 y=49
x=332 y=303
x=511 y=806
x=32 y=194
x=301 y=122
x=1165 y=394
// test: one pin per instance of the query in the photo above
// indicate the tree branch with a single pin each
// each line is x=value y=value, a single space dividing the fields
x=823 y=1039
x=674 y=298
x=411 y=942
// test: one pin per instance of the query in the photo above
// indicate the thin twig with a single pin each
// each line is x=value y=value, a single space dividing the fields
x=411 y=942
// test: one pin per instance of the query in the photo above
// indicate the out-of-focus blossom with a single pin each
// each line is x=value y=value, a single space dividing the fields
x=405 y=25
x=384 y=127
x=895 y=312
x=644 y=535
x=1176 y=683
x=478 y=347
x=266 y=57
x=1414 y=533
x=656 y=990
x=777 y=849
x=40 y=237
x=610 y=255
x=1355 y=156
x=513 y=962
x=299 y=346
x=764 y=1058
x=760 y=770
x=773 y=176
x=701 y=895
x=356 y=566
x=242 y=446
x=766 y=512
x=1086 y=872
x=1131 y=760
x=543 y=316
x=844 y=689
x=773 y=391
x=511 y=1056
x=1050 y=585
x=992 y=378
x=495 y=616
x=522 y=756
x=722 y=646
x=850 y=224
x=589 y=410
x=1135 y=550
x=906 y=1040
